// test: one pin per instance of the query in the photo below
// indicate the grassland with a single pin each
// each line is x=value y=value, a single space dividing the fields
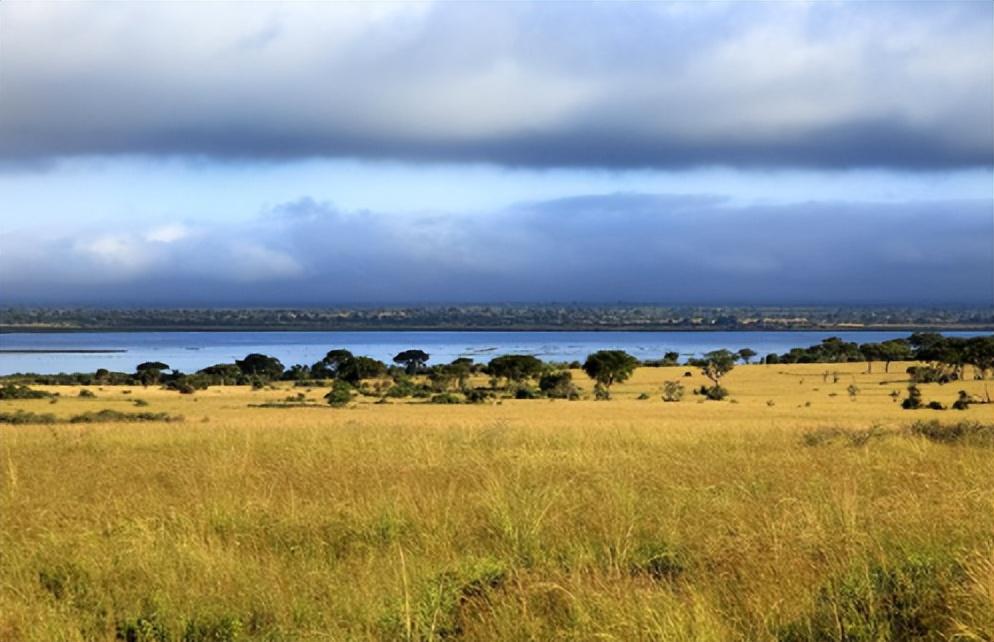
x=789 y=513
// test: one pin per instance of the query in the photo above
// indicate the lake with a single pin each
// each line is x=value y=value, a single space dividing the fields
x=190 y=351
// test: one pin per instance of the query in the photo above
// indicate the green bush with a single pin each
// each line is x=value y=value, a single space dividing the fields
x=17 y=391
x=340 y=394
x=24 y=417
x=914 y=400
x=714 y=393
x=445 y=397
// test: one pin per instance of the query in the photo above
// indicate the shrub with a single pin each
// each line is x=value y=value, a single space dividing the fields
x=914 y=400
x=935 y=405
x=524 y=392
x=17 y=391
x=107 y=416
x=340 y=394
x=963 y=432
x=86 y=394
x=19 y=417
x=445 y=398
x=673 y=391
x=558 y=385
x=643 y=396
x=714 y=393
x=963 y=401
x=476 y=395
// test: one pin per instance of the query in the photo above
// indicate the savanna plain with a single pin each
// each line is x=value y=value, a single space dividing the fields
x=793 y=510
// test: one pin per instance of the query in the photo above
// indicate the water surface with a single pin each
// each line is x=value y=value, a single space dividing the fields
x=190 y=351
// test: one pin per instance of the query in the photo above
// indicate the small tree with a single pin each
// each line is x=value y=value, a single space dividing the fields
x=260 y=365
x=894 y=350
x=716 y=364
x=607 y=367
x=671 y=358
x=412 y=360
x=745 y=354
x=871 y=352
x=515 y=367
x=853 y=391
x=331 y=364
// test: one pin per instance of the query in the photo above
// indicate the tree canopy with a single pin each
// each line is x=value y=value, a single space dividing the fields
x=609 y=366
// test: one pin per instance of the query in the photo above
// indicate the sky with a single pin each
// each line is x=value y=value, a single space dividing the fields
x=308 y=154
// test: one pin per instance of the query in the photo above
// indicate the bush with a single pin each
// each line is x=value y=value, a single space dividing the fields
x=673 y=391
x=340 y=394
x=19 y=417
x=86 y=394
x=714 y=393
x=935 y=405
x=963 y=401
x=107 y=416
x=524 y=392
x=558 y=385
x=17 y=391
x=914 y=400
x=963 y=432
x=476 y=395
x=445 y=398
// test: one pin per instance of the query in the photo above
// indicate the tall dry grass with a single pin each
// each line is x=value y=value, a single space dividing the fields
x=621 y=520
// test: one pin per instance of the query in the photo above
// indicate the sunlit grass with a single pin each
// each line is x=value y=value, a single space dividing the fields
x=538 y=519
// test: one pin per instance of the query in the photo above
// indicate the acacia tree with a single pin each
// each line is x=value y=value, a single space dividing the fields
x=412 y=360
x=260 y=365
x=871 y=352
x=607 y=367
x=715 y=365
x=515 y=367
x=150 y=372
x=329 y=366
x=745 y=354
x=894 y=350
x=356 y=369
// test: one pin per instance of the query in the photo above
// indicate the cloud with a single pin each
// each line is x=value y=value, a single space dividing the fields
x=597 y=248
x=821 y=85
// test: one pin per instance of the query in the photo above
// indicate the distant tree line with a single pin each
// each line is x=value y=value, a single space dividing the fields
x=940 y=359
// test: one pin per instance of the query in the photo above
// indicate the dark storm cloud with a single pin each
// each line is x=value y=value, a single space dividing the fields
x=630 y=247
x=825 y=85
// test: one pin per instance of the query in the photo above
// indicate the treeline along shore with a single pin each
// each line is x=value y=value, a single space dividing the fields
x=500 y=317
x=939 y=359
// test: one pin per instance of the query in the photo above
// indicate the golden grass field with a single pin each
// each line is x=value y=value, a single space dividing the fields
x=617 y=520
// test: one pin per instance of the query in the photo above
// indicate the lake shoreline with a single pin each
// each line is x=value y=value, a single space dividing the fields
x=538 y=328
